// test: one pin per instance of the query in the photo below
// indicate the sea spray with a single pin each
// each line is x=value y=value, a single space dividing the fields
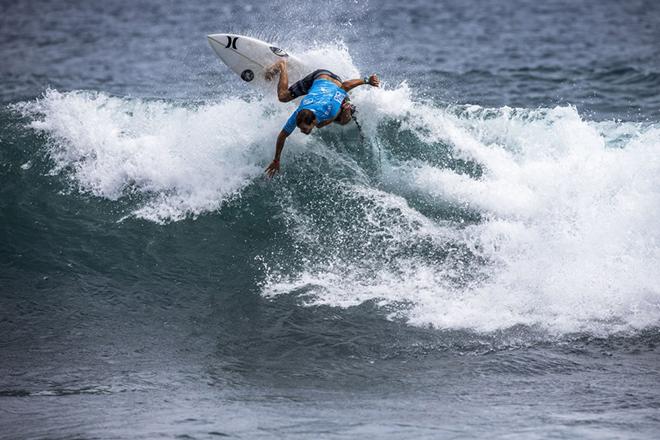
x=566 y=240
x=480 y=218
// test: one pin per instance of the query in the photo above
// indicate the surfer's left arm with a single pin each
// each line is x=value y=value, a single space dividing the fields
x=350 y=84
x=274 y=166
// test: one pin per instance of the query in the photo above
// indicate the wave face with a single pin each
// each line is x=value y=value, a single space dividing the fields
x=449 y=216
x=479 y=260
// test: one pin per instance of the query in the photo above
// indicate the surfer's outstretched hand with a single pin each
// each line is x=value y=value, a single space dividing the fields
x=273 y=168
x=374 y=80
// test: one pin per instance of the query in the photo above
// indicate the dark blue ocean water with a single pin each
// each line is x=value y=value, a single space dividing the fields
x=481 y=261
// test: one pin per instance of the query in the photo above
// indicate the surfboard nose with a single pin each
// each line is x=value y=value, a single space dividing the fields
x=219 y=40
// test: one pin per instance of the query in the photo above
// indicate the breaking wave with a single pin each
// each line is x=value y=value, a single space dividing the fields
x=444 y=216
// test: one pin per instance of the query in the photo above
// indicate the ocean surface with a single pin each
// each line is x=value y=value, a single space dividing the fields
x=482 y=260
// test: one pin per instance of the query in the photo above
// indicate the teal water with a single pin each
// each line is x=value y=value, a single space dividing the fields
x=480 y=261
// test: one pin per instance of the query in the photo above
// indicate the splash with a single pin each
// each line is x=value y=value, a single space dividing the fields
x=558 y=225
x=182 y=161
x=445 y=216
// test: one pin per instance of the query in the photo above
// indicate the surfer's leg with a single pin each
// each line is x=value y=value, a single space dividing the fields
x=283 y=84
x=273 y=70
x=283 y=93
x=280 y=67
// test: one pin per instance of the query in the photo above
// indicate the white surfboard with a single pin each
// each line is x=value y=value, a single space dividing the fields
x=250 y=58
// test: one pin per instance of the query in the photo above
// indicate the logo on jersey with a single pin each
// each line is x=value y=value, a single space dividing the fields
x=307 y=101
x=339 y=97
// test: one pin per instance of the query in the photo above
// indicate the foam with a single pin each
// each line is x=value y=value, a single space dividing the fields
x=183 y=160
x=568 y=233
x=562 y=232
x=335 y=58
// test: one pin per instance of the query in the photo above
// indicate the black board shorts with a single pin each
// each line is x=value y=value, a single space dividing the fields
x=301 y=87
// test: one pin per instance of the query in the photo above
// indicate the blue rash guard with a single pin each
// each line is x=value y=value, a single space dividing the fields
x=324 y=99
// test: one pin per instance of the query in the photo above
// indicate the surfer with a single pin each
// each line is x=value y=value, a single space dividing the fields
x=327 y=102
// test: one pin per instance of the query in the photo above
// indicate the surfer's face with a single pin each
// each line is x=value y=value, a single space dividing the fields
x=306 y=128
x=306 y=120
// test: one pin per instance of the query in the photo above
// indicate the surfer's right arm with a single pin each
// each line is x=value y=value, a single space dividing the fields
x=350 y=84
x=274 y=166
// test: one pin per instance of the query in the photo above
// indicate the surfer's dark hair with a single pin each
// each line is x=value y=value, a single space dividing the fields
x=305 y=116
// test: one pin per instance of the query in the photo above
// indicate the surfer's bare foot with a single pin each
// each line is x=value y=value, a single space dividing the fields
x=274 y=69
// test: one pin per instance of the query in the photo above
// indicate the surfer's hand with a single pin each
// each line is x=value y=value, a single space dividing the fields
x=374 y=81
x=273 y=168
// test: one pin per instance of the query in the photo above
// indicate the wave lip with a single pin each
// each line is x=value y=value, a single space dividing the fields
x=178 y=161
